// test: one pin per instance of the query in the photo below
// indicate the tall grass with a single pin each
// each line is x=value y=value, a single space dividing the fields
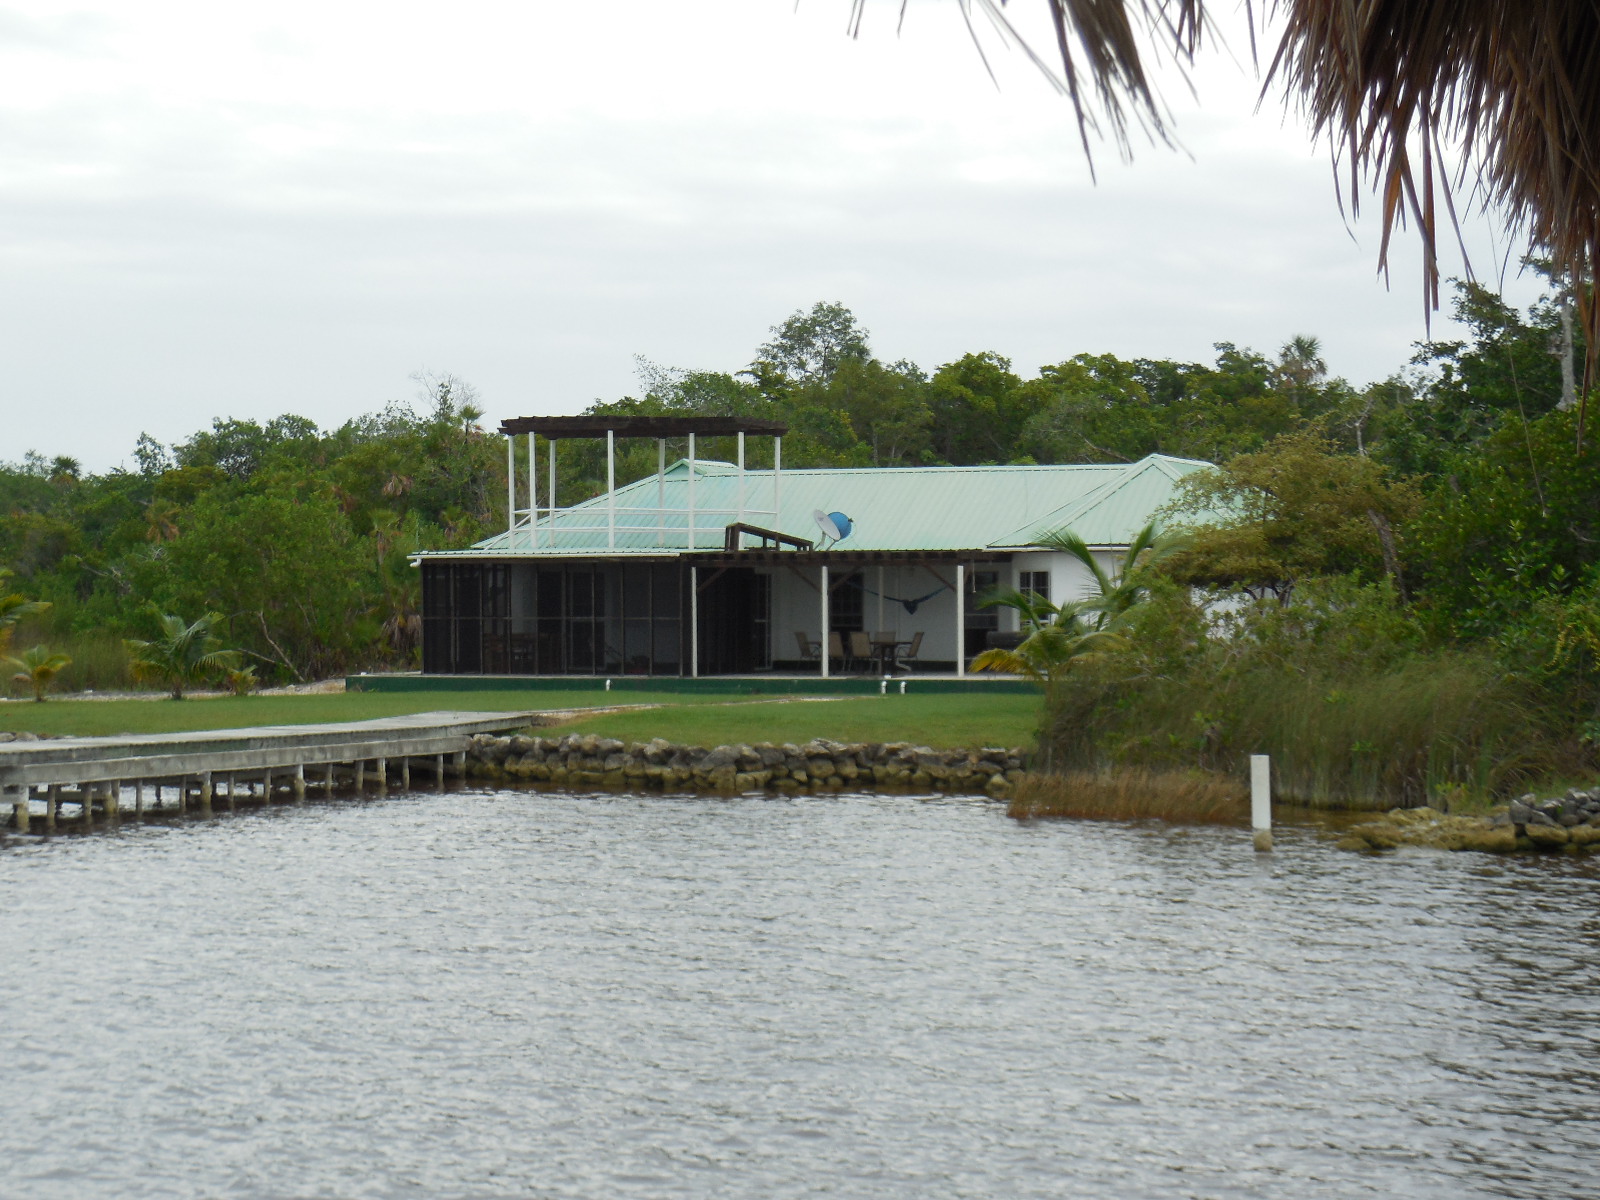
x=1132 y=794
x=1443 y=724
x=99 y=660
x=1339 y=686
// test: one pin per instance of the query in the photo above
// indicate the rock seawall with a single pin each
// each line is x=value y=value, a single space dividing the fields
x=588 y=760
x=1570 y=822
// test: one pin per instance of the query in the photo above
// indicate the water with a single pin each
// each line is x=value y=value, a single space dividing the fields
x=485 y=994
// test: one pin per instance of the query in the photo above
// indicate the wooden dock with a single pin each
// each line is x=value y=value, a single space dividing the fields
x=92 y=772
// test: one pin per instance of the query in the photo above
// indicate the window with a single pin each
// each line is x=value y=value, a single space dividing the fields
x=1037 y=582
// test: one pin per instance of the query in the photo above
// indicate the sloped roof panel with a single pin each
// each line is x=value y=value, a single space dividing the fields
x=905 y=508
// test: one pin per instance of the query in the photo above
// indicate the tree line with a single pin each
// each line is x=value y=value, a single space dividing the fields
x=1457 y=482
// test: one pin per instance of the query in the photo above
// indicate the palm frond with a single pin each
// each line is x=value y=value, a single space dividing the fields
x=1067 y=542
x=1511 y=88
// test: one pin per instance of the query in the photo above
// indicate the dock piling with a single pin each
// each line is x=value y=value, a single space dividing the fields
x=438 y=770
x=19 y=807
x=298 y=784
x=361 y=773
x=383 y=774
x=113 y=797
x=205 y=792
x=405 y=772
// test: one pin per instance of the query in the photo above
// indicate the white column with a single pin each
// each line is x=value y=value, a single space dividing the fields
x=824 y=620
x=511 y=485
x=550 y=490
x=691 y=491
x=661 y=491
x=741 y=477
x=961 y=618
x=694 y=620
x=611 y=489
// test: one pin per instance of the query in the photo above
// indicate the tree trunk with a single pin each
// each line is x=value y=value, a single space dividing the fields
x=1391 y=556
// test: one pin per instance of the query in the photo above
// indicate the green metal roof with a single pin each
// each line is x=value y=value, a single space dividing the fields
x=893 y=508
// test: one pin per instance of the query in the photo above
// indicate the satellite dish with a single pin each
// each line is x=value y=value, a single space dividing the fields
x=835 y=526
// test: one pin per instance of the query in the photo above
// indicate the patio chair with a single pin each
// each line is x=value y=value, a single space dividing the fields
x=809 y=651
x=861 y=650
x=836 y=648
x=905 y=655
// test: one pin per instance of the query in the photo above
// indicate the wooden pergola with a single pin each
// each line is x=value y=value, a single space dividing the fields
x=554 y=429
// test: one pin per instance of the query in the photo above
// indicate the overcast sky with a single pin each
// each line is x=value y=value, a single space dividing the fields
x=241 y=210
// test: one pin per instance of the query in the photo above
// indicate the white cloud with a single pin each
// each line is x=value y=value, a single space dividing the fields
x=215 y=210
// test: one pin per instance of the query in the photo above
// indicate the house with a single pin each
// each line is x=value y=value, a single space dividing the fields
x=715 y=568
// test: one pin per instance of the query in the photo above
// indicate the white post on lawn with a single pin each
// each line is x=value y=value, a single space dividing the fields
x=691 y=491
x=1261 y=800
x=511 y=486
x=694 y=620
x=611 y=489
x=961 y=618
x=825 y=638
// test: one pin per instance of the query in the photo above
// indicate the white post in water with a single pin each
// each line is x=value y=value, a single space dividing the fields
x=1261 y=800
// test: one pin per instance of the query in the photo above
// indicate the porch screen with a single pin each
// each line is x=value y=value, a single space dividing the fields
x=552 y=618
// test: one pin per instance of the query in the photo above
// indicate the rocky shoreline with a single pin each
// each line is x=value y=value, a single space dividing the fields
x=1570 y=822
x=588 y=760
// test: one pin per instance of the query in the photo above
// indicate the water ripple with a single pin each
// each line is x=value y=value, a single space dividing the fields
x=486 y=994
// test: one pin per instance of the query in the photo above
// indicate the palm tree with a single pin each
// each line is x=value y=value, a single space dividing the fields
x=183 y=655
x=36 y=667
x=1057 y=641
x=1128 y=584
x=1062 y=635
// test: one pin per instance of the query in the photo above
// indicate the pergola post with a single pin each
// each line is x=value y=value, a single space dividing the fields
x=691 y=491
x=511 y=486
x=961 y=618
x=533 y=490
x=741 y=477
x=661 y=491
x=777 y=479
x=550 y=489
x=611 y=489
x=825 y=646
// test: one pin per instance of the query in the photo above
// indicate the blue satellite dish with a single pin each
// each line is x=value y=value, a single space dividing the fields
x=835 y=525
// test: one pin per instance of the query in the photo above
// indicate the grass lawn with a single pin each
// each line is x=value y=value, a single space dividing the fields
x=96 y=717
x=965 y=719
x=940 y=721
